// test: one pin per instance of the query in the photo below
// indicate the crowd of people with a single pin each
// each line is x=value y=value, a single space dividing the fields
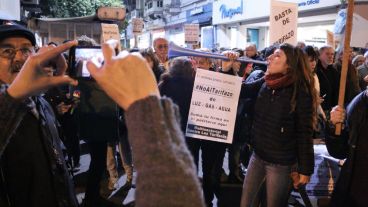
x=139 y=104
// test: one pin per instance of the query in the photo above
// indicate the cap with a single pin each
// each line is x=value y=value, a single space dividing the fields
x=8 y=31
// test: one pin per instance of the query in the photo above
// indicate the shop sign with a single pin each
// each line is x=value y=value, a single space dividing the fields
x=213 y=106
x=196 y=11
x=230 y=12
x=283 y=23
x=225 y=11
x=253 y=9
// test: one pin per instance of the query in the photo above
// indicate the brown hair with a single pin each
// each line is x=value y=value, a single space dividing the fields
x=299 y=69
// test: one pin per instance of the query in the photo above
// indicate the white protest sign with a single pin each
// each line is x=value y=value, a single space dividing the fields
x=283 y=22
x=110 y=31
x=138 y=25
x=360 y=32
x=191 y=32
x=213 y=106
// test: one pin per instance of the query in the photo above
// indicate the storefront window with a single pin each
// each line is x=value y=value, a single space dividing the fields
x=207 y=37
x=234 y=37
x=252 y=36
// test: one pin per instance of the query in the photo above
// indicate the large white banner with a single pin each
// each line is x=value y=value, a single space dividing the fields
x=283 y=22
x=213 y=106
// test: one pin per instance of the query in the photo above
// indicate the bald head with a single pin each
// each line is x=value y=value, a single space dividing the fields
x=250 y=50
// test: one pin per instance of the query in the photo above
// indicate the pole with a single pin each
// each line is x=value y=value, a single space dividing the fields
x=345 y=58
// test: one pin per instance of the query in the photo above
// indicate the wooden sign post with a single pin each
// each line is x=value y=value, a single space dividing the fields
x=345 y=58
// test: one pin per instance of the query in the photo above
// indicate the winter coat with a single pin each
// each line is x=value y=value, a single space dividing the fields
x=32 y=166
x=278 y=135
x=352 y=144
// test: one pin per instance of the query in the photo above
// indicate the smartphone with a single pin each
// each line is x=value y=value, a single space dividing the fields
x=78 y=58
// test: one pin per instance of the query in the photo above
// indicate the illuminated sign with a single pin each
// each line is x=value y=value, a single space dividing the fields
x=230 y=12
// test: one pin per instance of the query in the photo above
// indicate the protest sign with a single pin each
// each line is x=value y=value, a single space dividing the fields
x=191 y=32
x=330 y=39
x=283 y=22
x=110 y=31
x=138 y=25
x=360 y=32
x=213 y=106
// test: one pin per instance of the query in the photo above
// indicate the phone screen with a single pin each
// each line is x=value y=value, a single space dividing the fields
x=81 y=55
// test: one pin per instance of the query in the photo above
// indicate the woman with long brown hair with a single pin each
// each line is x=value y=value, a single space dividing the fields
x=284 y=119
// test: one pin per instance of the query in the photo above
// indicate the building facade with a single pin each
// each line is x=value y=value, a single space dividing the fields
x=240 y=21
x=166 y=18
x=234 y=23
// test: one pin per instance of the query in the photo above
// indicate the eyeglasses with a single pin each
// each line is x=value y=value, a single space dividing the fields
x=8 y=52
x=162 y=46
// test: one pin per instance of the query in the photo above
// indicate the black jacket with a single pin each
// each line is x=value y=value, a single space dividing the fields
x=351 y=187
x=98 y=114
x=179 y=89
x=32 y=165
x=329 y=79
x=278 y=135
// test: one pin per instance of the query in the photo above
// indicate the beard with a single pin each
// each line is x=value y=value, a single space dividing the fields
x=15 y=67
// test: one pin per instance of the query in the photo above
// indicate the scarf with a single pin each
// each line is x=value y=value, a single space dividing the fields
x=278 y=80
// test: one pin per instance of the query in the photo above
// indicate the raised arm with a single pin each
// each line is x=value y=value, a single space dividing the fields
x=154 y=132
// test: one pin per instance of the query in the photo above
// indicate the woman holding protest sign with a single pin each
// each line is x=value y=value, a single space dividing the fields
x=284 y=118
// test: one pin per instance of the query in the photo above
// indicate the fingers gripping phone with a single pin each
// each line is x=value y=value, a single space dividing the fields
x=78 y=58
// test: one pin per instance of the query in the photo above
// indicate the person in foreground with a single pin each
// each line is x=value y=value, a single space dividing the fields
x=170 y=179
x=32 y=167
x=352 y=144
x=284 y=118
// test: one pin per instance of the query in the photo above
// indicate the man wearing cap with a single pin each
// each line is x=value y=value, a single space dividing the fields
x=32 y=167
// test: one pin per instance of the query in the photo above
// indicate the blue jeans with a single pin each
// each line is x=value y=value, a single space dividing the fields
x=276 y=178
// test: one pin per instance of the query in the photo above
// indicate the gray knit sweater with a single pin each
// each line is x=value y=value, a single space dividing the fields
x=166 y=173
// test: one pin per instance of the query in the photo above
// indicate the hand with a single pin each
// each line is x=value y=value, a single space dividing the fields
x=337 y=115
x=366 y=78
x=320 y=100
x=249 y=68
x=126 y=78
x=59 y=61
x=227 y=65
x=236 y=66
x=299 y=179
x=62 y=108
x=33 y=78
